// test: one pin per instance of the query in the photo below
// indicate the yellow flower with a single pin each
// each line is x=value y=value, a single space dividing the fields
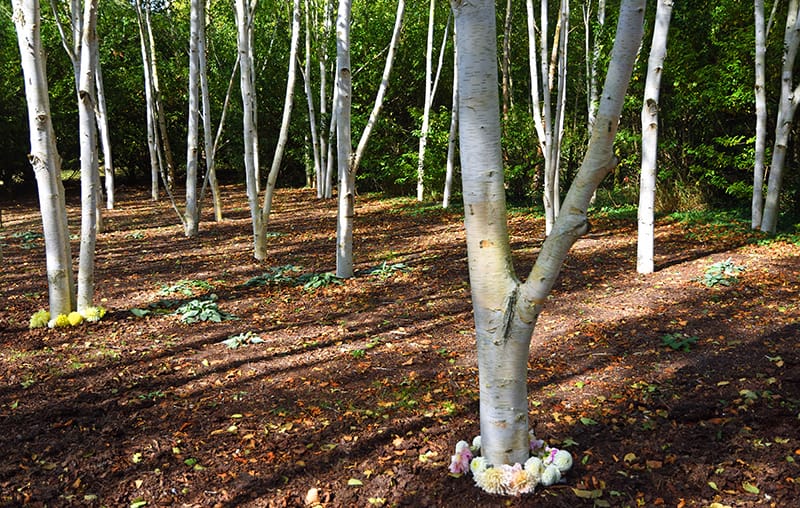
x=74 y=318
x=93 y=314
x=59 y=321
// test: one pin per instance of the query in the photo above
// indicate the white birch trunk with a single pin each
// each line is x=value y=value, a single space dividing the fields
x=152 y=146
x=312 y=110
x=44 y=158
x=244 y=29
x=209 y=141
x=191 y=215
x=647 y=181
x=505 y=310
x=387 y=71
x=452 y=137
x=757 y=207
x=283 y=136
x=101 y=115
x=88 y=148
x=593 y=92
x=344 y=223
x=325 y=151
x=160 y=114
x=423 y=137
x=787 y=106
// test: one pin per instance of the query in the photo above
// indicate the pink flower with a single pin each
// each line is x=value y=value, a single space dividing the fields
x=459 y=463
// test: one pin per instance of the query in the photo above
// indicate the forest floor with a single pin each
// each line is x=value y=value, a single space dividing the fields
x=666 y=391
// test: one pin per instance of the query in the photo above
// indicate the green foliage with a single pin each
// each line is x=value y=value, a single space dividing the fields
x=678 y=341
x=723 y=273
x=242 y=339
x=28 y=239
x=386 y=270
x=314 y=281
x=186 y=287
x=202 y=310
x=276 y=275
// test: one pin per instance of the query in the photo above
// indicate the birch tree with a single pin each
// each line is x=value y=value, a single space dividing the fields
x=787 y=107
x=192 y=215
x=150 y=109
x=244 y=23
x=347 y=180
x=506 y=309
x=283 y=135
x=452 y=136
x=593 y=58
x=44 y=158
x=426 y=112
x=548 y=82
x=762 y=30
x=647 y=181
x=89 y=166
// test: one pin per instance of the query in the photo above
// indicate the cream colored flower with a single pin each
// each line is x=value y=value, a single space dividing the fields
x=492 y=481
x=562 y=460
x=39 y=319
x=550 y=476
x=478 y=466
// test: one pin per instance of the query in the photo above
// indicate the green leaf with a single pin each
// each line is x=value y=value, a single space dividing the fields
x=138 y=503
x=354 y=482
x=588 y=421
x=713 y=485
x=140 y=312
x=748 y=487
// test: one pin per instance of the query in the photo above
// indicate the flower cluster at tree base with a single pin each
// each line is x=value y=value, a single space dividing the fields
x=42 y=318
x=545 y=466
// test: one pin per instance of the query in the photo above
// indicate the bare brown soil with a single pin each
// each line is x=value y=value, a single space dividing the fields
x=360 y=390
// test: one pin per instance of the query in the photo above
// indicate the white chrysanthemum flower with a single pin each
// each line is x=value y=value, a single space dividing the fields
x=476 y=444
x=93 y=314
x=562 y=460
x=492 y=481
x=478 y=466
x=550 y=476
x=534 y=467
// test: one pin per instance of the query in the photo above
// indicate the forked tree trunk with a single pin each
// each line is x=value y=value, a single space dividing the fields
x=44 y=158
x=787 y=106
x=283 y=135
x=506 y=310
x=647 y=181
x=387 y=71
x=426 y=112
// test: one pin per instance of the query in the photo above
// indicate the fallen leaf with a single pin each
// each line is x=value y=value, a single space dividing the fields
x=629 y=457
x=588 y=494
x=748 y=487
x=354 y=482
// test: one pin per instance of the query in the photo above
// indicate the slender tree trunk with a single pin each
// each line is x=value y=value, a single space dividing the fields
x=152 y=146
x=757 y=208
x=283 y=136
x=44 y=158
x=105 y=137
x=647 y=182
x=423 y=137
x=89 y=164
x=505 y=310
x=387 y=70
x=344 y=224
x=787 y=106
x=453 y=134
x=506 y=67
x=191 y=215
x=209 y=142
x=160 y=114
x=593 y=92
x=325 y=151
x=312 y=110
